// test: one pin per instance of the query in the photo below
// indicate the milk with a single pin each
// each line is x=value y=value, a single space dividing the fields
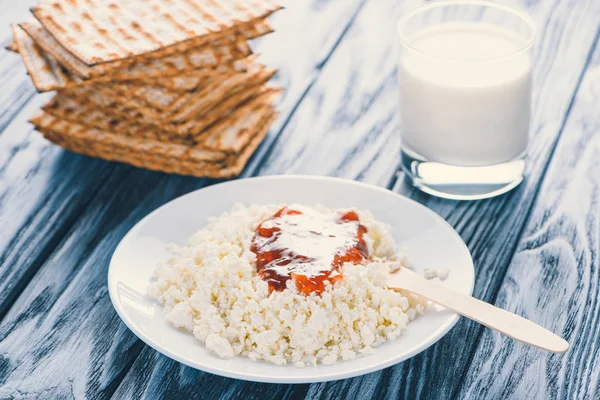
x=465 y=94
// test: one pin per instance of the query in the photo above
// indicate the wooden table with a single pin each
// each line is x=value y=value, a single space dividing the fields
x=536 y=249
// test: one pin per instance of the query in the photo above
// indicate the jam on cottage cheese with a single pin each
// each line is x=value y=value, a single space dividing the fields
x=307 y=246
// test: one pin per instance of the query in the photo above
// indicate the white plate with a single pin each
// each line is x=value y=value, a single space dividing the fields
x=431 y=243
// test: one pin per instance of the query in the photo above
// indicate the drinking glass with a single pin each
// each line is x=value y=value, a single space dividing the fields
x=465 y=79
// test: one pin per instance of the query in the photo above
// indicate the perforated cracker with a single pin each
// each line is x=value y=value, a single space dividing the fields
x=179 y=106
x=44 y=71
x=155 y=156
x=129 y=123
x=213 y=54
x=103 y=31
x=12 y=45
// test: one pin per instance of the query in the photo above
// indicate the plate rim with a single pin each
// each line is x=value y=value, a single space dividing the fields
x=248 y=376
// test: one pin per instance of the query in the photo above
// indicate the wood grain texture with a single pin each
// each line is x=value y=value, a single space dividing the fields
x=347 y=125
x=66 y=213
x=367 y=93
x=40 y=196
x=491 y=228
x=554 y=276
x=17 y=88
x=61 y=337
x=300 y=54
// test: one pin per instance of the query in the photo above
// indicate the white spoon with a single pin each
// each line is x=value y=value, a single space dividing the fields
x=505 y=322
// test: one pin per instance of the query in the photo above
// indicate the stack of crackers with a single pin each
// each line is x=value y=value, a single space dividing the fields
x=168 y=85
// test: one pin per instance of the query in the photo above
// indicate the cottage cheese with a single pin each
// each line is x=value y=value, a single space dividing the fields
x=211 y=288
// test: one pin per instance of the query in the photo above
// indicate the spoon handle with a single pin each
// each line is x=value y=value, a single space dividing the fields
x=496 y=318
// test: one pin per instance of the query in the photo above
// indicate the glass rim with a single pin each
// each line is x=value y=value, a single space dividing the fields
x=438 y=4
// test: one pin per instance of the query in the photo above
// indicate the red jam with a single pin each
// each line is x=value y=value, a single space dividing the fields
x=307 y=246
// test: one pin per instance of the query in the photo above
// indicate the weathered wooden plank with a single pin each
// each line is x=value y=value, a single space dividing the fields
x=237 y=387
x=554 y=276
x=42 y=192
x=342 y=94
x=347 y=124
x=13 y=12
x=17 y=89
x=492 y=228
x=42 y=355
x=156 y=376
x=62 y=336
x=307 y=48
x=436 y=373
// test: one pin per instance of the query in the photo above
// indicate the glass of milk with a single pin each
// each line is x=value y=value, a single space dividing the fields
x=465 y=76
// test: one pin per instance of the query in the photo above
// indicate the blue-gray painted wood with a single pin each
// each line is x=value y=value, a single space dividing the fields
x=492 y=228
x=61 y=215
x=64 y=286
x=554 y=276
x=307 y=150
